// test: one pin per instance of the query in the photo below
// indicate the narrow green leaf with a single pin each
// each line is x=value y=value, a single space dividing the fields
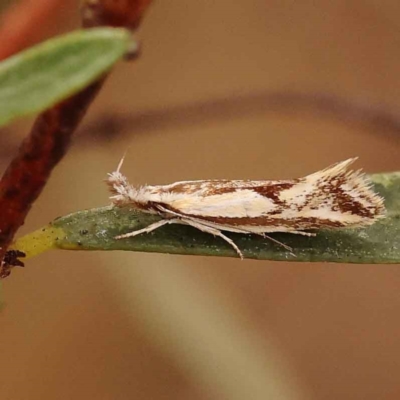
x=95 y=230
x=37 y=78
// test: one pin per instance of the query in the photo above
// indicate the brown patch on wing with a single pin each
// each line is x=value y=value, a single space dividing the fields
x=274 y=190
x=295 y=223
x=188 y=188
x=214 y=191
x=269 y=190
x=341 y=200
x=346 y=203
x=207 y=188
x=219 y=187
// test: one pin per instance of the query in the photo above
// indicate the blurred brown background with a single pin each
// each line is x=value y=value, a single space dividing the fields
x=202 y=103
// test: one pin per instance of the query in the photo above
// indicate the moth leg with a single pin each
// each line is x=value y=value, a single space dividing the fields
x=303 y=233
x=149 y=228
x=215 y=232
x=265 y=236
x=202 y=227
x=285 y=246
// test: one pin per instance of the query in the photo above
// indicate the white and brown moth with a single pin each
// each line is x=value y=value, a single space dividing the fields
x=334 y=197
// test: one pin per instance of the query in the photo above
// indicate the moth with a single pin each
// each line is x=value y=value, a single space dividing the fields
x=334 y=197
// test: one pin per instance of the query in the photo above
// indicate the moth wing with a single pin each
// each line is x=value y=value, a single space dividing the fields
x=226 y=198
x=333 y=197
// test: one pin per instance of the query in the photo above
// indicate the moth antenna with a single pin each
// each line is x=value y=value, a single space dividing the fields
x=121 y=162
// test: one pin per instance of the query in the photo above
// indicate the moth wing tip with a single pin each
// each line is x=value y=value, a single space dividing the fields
x=345 y=163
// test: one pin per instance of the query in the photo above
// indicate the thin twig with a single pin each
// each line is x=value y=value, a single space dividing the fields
x=377 y=118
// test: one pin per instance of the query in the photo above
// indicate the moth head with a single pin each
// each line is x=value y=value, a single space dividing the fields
x=119 y=186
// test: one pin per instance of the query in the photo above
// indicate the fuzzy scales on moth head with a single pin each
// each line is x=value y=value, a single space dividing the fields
x=330 y=198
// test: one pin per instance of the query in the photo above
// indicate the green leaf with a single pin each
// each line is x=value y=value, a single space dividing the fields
x=37 y=78
x=95 y=230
